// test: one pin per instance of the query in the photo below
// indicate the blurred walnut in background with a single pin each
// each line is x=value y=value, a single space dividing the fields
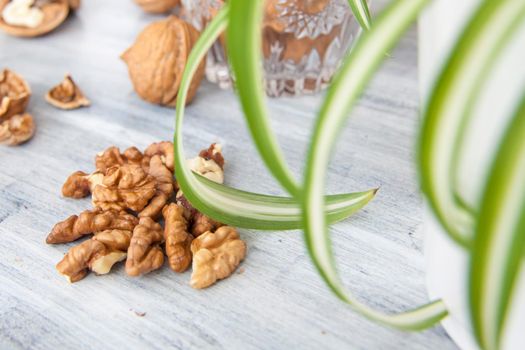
x=157 y=60
x=31 y=18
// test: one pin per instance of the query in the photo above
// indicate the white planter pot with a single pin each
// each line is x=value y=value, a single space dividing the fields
x=448 y=264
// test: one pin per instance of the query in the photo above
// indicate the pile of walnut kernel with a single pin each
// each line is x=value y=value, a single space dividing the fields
x=132 y=193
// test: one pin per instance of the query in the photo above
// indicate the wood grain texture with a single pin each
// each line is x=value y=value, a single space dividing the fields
x=279 y=302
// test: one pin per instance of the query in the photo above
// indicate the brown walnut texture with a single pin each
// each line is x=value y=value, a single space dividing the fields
x=17 y=129
x=129 y=192
x=54 y=13
x=144 y=252
x=67 y=95
x=157 y=59
x=215 y=256
x=98 y=254
x=124 y=187
x=90 y=221
x=177 y=238
x=157 y=6
x=14 y=94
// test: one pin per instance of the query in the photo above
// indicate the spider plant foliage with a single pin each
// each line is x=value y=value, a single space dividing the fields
x=446 y=117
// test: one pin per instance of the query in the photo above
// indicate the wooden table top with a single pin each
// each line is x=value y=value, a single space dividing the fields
x=279 y=301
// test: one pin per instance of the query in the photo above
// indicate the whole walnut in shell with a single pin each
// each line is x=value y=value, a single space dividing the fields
x=157 y=59
x=29 y=18
x=14 y=94
x=157 y=6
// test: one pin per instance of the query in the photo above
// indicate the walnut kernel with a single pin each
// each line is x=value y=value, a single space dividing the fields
x=177 y=238
x=90 y=221
x=124 y=187
x=215 y=256
x=144 y=252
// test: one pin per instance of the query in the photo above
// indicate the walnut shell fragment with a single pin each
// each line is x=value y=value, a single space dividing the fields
x=14 y=94
x=157 y=6
x=215 y=256
x=144 y=252
x=157 y=59
x=177 y=238
x=90 y=221
x=67 y=95
x=16 y=130
x=29 y=18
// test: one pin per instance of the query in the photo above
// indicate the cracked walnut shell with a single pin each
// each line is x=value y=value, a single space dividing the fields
x=144 y=252
x=28 y=18
x=14 y=94
x=90 y=221
x=177 y=238
x=215 y=256
x=157 y=59
x=16 y=130
x=67 y=95
x=157 y=6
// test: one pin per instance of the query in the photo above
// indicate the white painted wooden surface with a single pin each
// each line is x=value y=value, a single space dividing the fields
x=279 y=302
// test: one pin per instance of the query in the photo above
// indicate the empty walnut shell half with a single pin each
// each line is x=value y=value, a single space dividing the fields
x=67 y=95
x=46 y=15
x=157 y=59
x=14 y=94
x=157 y=6
x=17 y=129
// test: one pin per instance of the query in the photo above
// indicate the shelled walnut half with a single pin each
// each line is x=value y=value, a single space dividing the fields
x=97 y=254
x=124 y=187
x=177 y=238
x=16 y=130
x=215 y=256
x=144 y=252
x=157 y=59
x=14 y=94
x=67 y=95
x=30 y=18
x=90 y=221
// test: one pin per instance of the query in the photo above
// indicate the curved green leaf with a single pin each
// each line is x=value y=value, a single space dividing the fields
x=361 y=13
x=235 y=207
x=355 y=73
x=245 y=55
x=450 y=107
x=499 y=244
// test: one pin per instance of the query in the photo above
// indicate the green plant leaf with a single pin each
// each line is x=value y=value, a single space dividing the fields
x=355 y=73
x=499 y=244
x=245 y=55
x=361 y=13
x=449 y=111
x=235 y=207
